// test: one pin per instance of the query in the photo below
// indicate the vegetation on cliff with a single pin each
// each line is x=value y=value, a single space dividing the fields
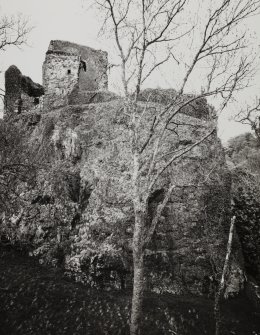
x=244 y=161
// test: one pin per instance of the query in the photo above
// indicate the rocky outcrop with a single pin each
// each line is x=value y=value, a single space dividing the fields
x=78 y=97
x=80 y=215
x=197 y=108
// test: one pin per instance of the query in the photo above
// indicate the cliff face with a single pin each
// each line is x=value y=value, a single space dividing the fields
x=79 y=213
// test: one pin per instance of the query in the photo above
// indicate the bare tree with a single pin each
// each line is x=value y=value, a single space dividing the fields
x=221 y=288
x=147 y=34
x=251 y=117
x=13 y=32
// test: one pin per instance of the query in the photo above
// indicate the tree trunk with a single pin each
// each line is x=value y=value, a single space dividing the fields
x=221 y=288
x=217 y=313
x=138 y=282
x=137 y=298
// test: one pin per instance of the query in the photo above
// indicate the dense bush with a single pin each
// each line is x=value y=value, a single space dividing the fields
x=247 y=211
x=243 y=154
x=17 y=167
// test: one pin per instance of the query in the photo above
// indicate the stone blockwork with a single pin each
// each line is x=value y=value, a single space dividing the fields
x=21 y=93
x=70 y=67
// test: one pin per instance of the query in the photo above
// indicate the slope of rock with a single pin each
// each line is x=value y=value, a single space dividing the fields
x=80 y=216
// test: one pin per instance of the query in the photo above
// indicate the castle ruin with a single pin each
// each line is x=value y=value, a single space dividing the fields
x=86 y=150
x=71 y=73
x=70 y=69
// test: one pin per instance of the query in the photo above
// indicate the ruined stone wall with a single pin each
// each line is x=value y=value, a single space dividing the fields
x=12 y=89
x=60 y=75
x=68 y=68
x=31 y=103
x=21 y=93
x=93 y=69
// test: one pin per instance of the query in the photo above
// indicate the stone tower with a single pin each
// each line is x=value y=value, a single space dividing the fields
x=70 y=70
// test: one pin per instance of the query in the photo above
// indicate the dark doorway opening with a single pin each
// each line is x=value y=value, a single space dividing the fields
x=83 y=65
x=36 y=101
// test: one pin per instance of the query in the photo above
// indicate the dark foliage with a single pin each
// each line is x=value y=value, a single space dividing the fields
x=41 y=300
x=247 y=211
x=16 y=166
x=243 y=152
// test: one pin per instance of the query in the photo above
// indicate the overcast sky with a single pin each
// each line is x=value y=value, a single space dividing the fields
x=72 y=20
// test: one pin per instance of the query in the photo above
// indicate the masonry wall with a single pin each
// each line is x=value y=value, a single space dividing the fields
x=60 y=75
x=21 y=93
x=31 y=103
x=70 y=67
x=93 y=69
x=92 y=75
